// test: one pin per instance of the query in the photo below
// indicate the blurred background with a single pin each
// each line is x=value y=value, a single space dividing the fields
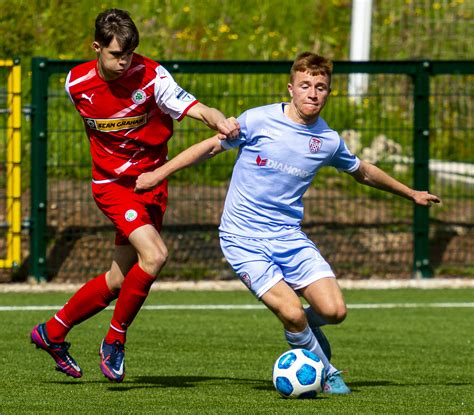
x=263 y=30
x=363 y=233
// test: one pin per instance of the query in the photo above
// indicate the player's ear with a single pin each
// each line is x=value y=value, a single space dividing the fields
x=290 y=89
x=95 y=45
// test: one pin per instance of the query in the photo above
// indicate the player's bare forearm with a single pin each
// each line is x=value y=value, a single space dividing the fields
x=371 y=175
x=214 y=119
x=192 y=155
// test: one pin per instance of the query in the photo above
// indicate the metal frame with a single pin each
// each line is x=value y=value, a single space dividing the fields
x=13 y=165
x=419 y=71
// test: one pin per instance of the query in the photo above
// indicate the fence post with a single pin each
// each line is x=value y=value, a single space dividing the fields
x=38 y=236
x=12 y=164
x=421 y=254
x=14 y=176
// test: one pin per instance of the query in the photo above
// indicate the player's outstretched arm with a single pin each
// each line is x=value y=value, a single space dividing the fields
x=371 y=175
x=192 y=155
x=214 y=119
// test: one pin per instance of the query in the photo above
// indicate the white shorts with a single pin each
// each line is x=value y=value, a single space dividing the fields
x=261 y=263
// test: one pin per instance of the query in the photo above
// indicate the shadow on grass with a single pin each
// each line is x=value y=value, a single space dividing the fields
x=186 y=382
x=257 y=384
x=141 y=382
x=191 y=382
x=373 y=383
x=355 y=386
x=169 y=382
x=382 y=383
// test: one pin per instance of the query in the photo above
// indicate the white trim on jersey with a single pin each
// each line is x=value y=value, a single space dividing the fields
x=105 y=180
x=67 y=85
x=126 y=165
x=87 y=76
x=355 y=167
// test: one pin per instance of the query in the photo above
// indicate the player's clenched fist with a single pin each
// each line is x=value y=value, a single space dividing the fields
x=229 y=127
x=147 y=181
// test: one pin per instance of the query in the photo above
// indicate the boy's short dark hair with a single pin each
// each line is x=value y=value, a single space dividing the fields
x=116 y=23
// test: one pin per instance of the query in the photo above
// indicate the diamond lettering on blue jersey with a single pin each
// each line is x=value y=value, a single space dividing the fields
x=276 y=171
x=260 y=161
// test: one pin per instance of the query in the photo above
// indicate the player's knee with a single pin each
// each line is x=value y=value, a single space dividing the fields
x=293 y=318
x=114 y=281
x=336 y=313
x=152 y=261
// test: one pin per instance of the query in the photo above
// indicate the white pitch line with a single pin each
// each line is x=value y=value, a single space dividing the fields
x=411 y=305
x=250 y=306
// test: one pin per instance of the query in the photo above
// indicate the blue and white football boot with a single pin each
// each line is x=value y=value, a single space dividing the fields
x=335 y=385
x=112 y=358
x=58 y=351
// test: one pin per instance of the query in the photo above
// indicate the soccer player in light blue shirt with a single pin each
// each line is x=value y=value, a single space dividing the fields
x=281 y=148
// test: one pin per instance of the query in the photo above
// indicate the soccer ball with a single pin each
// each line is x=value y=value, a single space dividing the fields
x=298 y=373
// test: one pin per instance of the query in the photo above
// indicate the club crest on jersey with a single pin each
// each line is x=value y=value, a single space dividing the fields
x=245 y=278
x=131 y=215
x=138 y=96
x=315 y=144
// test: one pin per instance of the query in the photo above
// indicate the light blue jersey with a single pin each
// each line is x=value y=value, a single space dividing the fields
x=277 y=161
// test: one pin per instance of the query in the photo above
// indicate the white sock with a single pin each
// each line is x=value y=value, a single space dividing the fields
x=307 y=340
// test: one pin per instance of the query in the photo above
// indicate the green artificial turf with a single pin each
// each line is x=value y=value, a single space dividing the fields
x=415 y=359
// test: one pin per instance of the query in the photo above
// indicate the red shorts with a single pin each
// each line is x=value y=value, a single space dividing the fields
x=129 y=210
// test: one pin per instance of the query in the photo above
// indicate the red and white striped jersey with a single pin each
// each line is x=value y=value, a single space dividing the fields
x=130 y=119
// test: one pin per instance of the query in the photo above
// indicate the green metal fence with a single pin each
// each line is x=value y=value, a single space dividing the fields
x=412 y=112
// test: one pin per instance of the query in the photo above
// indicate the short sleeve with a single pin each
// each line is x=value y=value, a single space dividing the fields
x=170 y=97
x=343 y=159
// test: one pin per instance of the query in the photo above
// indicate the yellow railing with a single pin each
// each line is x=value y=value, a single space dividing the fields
x=13 y=165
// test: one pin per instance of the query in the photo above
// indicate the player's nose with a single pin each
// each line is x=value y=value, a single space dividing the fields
x=313 y=93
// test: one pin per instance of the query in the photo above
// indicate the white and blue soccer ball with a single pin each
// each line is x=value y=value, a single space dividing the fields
x=298 y=373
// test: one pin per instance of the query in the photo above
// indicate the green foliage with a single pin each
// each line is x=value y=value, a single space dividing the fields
x=267 y=30
x=414 y=29
x=400 y=360
x=217 y=29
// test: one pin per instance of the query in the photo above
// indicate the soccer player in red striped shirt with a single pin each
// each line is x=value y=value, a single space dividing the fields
x=128 y=103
